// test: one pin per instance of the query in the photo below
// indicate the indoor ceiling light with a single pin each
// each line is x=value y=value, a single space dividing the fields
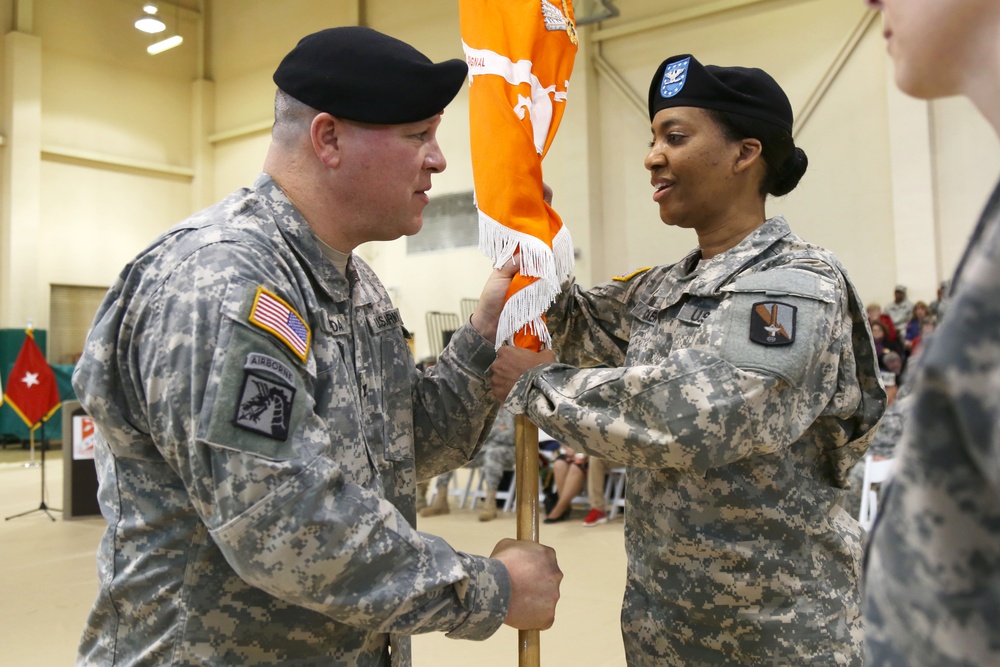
x=164 y=44
x=149 y=22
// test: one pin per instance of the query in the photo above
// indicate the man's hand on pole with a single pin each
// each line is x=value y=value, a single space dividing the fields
x=534 y=583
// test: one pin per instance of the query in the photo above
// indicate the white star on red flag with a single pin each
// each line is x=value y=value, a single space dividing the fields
x=30 y=379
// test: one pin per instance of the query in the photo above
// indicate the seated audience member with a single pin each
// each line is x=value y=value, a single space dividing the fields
x=940 y=304
x=570 y=474
x=548 y=453
x=497 y=455
x=439 y=504
x=920 y=312
x=927 y=327
x=875 y=314
x=900 y=309
x=882 y=343
x=597 y=473
x=891 y=376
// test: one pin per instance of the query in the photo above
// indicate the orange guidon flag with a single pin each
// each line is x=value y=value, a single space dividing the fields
x=520 y=55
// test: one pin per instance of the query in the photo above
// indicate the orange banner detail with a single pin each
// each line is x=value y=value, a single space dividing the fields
x=520 y=55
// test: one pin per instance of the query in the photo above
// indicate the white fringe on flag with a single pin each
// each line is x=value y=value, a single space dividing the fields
x=562 y=249
x=523 y=310
x=551 y=266
x=500 y=243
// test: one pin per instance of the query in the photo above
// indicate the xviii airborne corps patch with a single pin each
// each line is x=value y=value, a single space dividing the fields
x=265 y=407
x=772 y=323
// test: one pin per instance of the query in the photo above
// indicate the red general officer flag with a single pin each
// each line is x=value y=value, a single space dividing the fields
x=520 y=55
x=31 y=387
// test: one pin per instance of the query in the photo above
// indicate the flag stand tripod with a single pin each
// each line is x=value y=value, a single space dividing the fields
x=42 y=507
x=31 y=462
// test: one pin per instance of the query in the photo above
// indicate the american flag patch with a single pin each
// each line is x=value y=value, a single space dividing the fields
x=271 y=313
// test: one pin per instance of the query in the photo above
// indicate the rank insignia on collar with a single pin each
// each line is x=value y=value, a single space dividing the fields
x=273 y=314
x=265 y=406
x=625 y=277
x=772 y=323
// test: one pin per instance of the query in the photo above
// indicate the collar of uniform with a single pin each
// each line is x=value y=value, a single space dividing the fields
x=300 y=238
x=723 y=267
x=363 y=281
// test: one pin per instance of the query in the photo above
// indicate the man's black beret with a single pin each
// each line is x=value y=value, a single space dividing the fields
x=360 y=74
x=682 y=81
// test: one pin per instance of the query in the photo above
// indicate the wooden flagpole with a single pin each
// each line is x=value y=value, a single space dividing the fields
x=526 y=492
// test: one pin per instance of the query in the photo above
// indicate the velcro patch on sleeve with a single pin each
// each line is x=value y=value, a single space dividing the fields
x=779 y=322
x=273 y=314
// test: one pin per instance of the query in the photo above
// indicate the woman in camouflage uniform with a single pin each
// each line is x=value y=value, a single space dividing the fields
x=739 y=385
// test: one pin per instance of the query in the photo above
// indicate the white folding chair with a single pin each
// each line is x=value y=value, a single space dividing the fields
x=615 y=491
x=876 y=472
x=479 y=493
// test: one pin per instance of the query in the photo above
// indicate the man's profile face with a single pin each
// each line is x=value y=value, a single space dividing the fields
x=389 y=168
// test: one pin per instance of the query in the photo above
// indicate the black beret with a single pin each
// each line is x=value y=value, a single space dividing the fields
x=682 y=81
x=360 y=74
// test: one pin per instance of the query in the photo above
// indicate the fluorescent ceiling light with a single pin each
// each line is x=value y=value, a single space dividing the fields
x=149 y=22
x=163 y=45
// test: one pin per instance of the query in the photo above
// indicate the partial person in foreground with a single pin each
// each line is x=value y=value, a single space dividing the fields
x=932 y=579
x=739 y=385
x=497 y=455
x=263 y=422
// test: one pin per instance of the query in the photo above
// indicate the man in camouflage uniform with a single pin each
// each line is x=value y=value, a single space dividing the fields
x=263 y=421
x=899 y=310
x=739 y=389
x=932 y=581
x=497 y=455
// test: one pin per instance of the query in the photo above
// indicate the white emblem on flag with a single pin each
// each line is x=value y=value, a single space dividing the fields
x=558 y=19
x=272 y=314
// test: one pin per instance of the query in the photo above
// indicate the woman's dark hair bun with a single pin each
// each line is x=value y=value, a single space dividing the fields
x=790 y=173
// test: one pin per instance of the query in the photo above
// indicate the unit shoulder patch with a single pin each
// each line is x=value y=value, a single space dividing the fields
x=264 y=406
x=273 y=314
x=772 y=323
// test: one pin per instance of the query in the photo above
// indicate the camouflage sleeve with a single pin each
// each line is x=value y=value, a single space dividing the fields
x=294 y=505
x=703 y=407
x=591 y=327
x=453 y=406
x=889 y=431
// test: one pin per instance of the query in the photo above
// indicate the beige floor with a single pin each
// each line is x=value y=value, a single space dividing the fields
x=48 y=580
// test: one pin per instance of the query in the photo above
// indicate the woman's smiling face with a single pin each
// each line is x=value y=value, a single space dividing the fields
x=691 y=166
